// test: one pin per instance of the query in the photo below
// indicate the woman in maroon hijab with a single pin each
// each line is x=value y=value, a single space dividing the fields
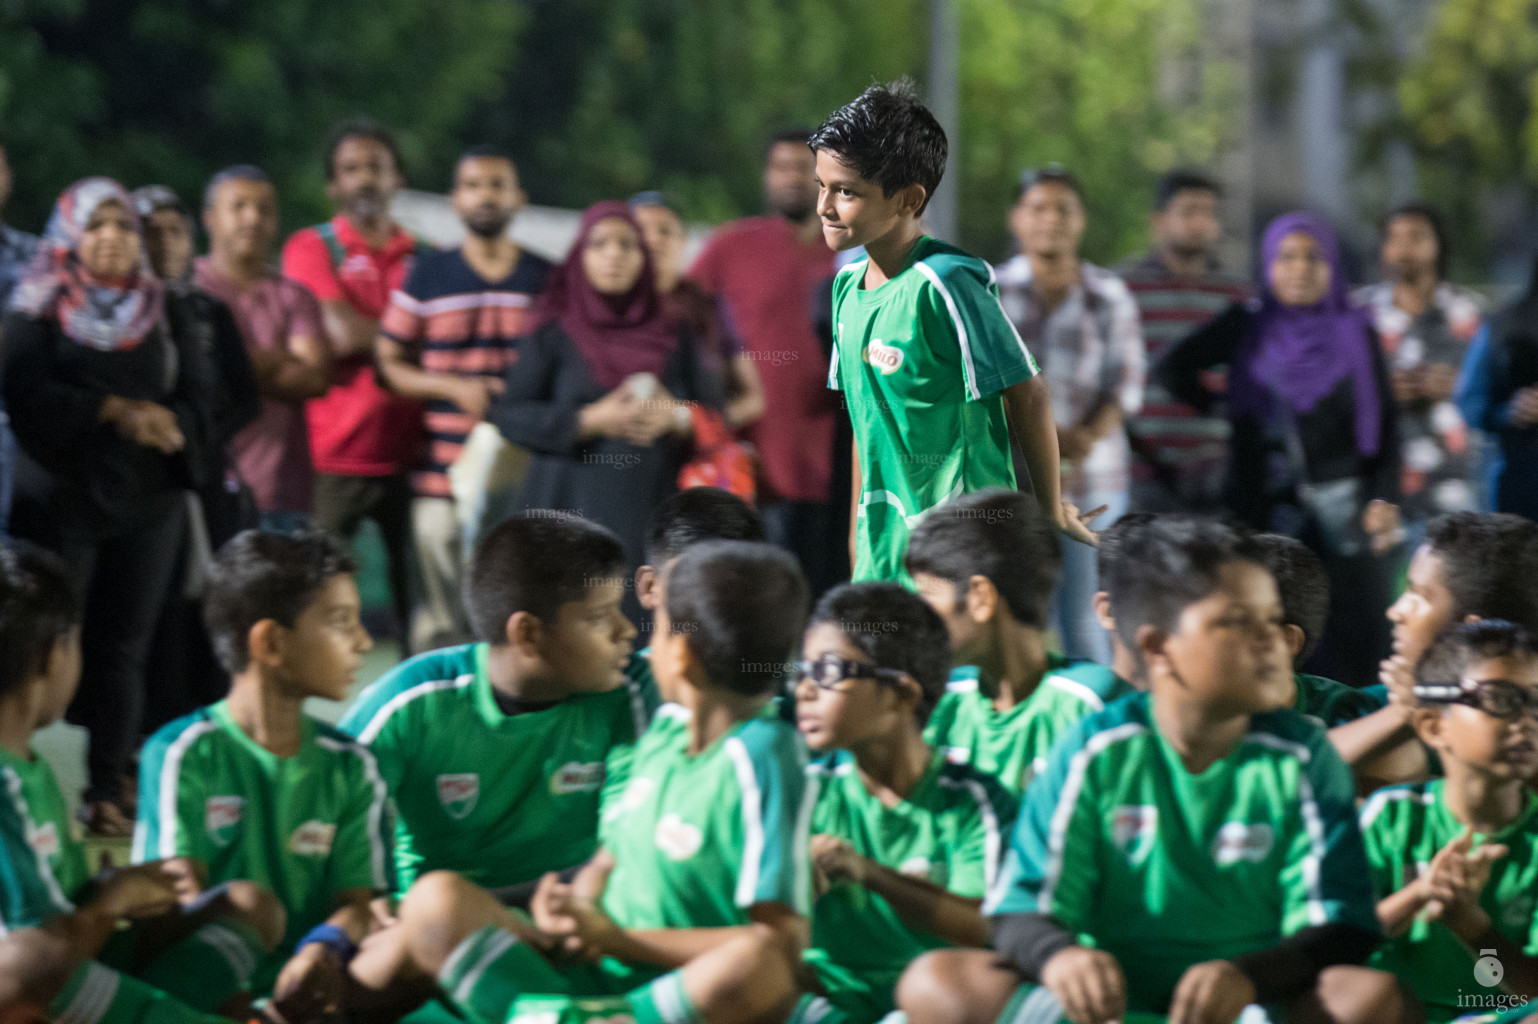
x=600 y=390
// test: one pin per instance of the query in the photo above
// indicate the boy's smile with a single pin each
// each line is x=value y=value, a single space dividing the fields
x=854 y=211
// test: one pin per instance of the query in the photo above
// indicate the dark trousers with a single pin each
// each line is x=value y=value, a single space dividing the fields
x=342 y=503
x=809 y=530
x=122 y=582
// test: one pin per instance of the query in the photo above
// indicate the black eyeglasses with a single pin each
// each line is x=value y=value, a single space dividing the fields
x=1500 y=698
x=828 y=671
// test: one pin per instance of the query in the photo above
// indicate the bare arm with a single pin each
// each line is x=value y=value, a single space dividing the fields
x=1029 y=409
x=402 y=374
x=294 y=374
x=671 y=948
x=350 y=332
x=928 y=907
x=748 y=405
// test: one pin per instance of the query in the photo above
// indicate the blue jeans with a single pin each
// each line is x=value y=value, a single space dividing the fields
x=1073 y=611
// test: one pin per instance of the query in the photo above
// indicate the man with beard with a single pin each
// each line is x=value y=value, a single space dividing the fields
x=363 y=437
x=449 y=333
x=1179 y=457
x=766 y=269
x=280 y=324
x=1425 y=326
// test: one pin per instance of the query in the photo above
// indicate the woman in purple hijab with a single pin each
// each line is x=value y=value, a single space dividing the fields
x=1313 y=452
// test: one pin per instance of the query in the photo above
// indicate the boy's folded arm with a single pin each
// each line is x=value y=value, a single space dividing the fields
x=1371 y=735
x=929 y=907
x=1027 y=941
x=671 y=948
x=1292 y=966
x=1397 y=911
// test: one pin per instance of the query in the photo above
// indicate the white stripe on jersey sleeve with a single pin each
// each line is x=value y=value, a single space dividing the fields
x=376 y=808
x=801 y=846
x=1378 y=802
x=991 y=839
x=969 y=372
x=993 y=282
x=1078 y=689
x=1057 y=834
x=170 y=770
x=1312 y=823
x=400 y=700
x=19 y=803
x=752 y=822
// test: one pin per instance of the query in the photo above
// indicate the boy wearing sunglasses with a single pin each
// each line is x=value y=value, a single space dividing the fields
x=904 y=844
x=1459 y=855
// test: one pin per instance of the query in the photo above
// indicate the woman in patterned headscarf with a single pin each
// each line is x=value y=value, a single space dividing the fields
x=104 y=382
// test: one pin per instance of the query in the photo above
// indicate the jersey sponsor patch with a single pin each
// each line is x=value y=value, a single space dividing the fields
x=923 y=867
x=1238 y=840
x=885 y=358
x=312 y=839
x=577 y=777
x=44 y=839
x=221 y=816
x=1133 y=827
x=677 y=838
x=458 y=793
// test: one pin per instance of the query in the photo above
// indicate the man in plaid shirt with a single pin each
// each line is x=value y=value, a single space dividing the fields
x=1082 y=324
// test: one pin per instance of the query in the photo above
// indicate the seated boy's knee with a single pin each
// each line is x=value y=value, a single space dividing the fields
x=1361 y=995
x=434 y=896
x=935 y=988
x=34 y=967
x=258 y=909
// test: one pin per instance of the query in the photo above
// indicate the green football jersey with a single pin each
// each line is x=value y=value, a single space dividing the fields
x=949 y=831
x=499 y=798
x=306 y=828
x=1013 y=745
x=1403 y=828
x=41 y=864
x=698 y=840
x=1164 y=869
x=1330 y=703
x=922 y=361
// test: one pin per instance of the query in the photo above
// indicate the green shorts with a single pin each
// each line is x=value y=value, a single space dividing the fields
x=496 y=979
x=852 y=997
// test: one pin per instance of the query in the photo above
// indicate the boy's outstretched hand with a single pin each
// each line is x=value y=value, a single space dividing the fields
x=1214 y=992
x=572 y=913
x=145 y=890
x=1075 y=524
x=1089 y=983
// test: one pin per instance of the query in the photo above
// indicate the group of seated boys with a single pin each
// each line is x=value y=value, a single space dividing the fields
x=892 y=804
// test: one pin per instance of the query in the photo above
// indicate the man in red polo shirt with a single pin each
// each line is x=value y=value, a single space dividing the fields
x=766 y=270
x=363 y=438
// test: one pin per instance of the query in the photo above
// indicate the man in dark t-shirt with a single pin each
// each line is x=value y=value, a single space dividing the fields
x=447 y=337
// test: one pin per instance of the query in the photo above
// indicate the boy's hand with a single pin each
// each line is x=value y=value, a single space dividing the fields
x=310 y=985
x=1215 y=992
x=145 y=890
x=837 y=860
x=1089 y=983
x=1398 y=676
x=189 y=882
x=1075 y=524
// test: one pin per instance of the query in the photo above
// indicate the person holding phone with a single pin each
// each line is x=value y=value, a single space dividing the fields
x=602 y=390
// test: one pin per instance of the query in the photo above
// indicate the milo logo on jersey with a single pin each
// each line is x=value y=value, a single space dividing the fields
x=677 y=838
x=885 y=358
x=44 y=840
x=1238 y=840
x=312 y=839
x=458 y=793
x=221 y=816
x=577 y=777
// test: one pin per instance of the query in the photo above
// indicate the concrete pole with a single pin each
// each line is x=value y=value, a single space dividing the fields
x=945 y=102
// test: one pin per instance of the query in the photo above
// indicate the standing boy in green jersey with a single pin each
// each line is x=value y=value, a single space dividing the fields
x=1457 y=858
x=904 y=843
x=494 y=752
x=68 y=942
x=1472 y=565
x=252 y=787
x=1190 y=851
x=988 y=563
x=695 y=911
x=933 y=373
x=1304 y=588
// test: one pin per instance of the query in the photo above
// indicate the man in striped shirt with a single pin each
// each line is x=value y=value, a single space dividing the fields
x=447 y=337
x=1178 y=455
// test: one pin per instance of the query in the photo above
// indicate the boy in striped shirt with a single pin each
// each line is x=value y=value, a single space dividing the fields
x=128 y=945
x=1191 y=851
x=251 y=787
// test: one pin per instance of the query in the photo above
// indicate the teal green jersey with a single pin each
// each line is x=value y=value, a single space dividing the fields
x=41 y=864
x=307 y=828
x=1330 y=703
x=499 y=798
x=697 y=840
x=1403 y=828
x=922 y=361
x=1013 y=745
x=949 y=831
x=1164 y=869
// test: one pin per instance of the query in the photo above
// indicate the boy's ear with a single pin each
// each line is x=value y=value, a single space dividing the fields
x=1427 y=723
x=1102 y=605
x=524 y=632
x=909 y=691
x=982 y=599
x=646 y=586
x=1295 y=639
x=1151 y=641
x=265 y=641
x=914 y=197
